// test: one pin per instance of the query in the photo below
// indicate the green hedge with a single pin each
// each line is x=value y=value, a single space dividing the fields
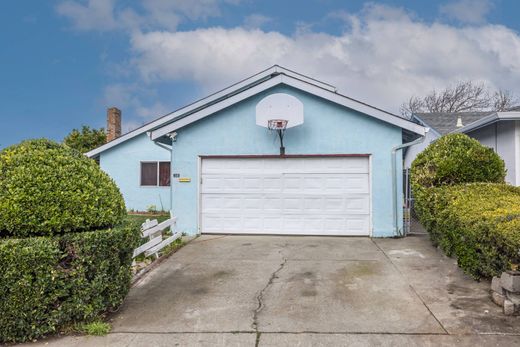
x=47 y=189
x=454 y=159
x=47 y=283
x=477 y=223
x=473 y=221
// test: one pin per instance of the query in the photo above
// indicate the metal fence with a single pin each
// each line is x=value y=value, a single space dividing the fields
x=408 y=202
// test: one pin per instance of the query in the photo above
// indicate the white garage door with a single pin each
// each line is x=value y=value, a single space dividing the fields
x=303 y=195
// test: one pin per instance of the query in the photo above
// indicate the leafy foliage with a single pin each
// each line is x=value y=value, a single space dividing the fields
x=454 y=159
x=478 y=223
x=50 y=282
x=85 y=140
x=47 y=188
x=461 y=199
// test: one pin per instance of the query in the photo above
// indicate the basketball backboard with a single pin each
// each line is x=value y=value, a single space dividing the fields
x=279 y=106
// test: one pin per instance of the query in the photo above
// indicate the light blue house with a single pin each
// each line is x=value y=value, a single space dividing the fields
x=227 y=175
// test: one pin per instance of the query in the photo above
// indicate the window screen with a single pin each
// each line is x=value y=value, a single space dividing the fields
x=164 y=173
x=149 y=174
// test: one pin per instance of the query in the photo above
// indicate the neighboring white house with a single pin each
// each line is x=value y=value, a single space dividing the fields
x=497 y=130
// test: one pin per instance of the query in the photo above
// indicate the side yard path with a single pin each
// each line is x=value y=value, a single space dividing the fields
x=306 y=291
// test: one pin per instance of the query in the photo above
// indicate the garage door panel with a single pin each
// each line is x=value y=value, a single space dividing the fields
x=357 y=183
x=289 y=224
x=253 y=184
x=211 y=183
x=294 y=224
x=253 y=224
x=273 y=184
x=253 y=205
x=334 y=204
x=261 y=203
x=292 y=183
x=292 y=204
x=313 y=204
x=358 y=225
x=326 y=196
x=359 y=205
x=273 y=224
x=272 y=204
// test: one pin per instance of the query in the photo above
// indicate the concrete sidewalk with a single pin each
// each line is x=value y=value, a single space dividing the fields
x=307 y=291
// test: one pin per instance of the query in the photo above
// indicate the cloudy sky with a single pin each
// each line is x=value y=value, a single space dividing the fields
x=63 y=62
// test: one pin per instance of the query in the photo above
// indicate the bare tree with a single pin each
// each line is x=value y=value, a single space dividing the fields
x=412 y=106
x=464 y=96
x=504 y=100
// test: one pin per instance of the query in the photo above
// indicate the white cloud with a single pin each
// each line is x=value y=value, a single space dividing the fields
x=383 y=58
x=467 y=11
x=256 y=21
x=130 y=97
x=103 y=15
x=92 y=15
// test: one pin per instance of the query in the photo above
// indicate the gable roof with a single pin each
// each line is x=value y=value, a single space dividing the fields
x=250 y=86
x=446 y=122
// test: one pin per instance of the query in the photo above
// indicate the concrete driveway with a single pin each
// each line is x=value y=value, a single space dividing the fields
x=307 y=291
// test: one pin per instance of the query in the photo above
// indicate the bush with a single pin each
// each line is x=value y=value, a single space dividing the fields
x=47 y=188
x=49 y=282
x=454 y=159
x=478 y=223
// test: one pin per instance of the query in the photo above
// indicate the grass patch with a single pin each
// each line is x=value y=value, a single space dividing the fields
x=141 y=218
x=96 y=328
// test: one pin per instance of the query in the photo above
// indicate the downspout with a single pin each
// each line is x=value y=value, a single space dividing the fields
x=397 y=232
x=172 y=136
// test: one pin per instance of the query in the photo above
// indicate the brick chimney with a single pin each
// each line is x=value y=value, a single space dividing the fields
x=113 y=123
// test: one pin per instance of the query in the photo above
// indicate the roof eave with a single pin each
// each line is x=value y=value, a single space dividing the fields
x=477 y=124
x=492 y=118
x=298 y=84
x=203 y=105
x=432 y=129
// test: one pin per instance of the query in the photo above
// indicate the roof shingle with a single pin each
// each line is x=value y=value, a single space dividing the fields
x=444 y=122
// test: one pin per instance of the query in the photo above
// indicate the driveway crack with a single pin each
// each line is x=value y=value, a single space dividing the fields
x=260 y=299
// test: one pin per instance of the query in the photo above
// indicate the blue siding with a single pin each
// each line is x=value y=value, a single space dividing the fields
x=328 y=129
x=122 y=163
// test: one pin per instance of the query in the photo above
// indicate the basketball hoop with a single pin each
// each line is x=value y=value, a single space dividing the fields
x=271 y=109
x=278 y=125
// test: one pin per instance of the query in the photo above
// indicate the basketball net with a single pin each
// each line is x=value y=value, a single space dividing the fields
x=278 y=125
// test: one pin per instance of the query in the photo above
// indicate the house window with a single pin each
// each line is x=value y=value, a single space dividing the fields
x=155 y=173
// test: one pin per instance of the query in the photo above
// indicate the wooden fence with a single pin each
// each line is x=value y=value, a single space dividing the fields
x=153 y=231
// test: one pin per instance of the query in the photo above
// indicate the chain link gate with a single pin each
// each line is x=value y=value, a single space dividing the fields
x=407 y=203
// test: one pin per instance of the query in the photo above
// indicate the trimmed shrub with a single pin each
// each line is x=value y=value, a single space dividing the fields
x=50 y=282
x=454 y=159
x=477 y=223
x=47 y=188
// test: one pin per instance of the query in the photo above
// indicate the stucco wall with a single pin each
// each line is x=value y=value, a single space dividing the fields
x=501 y=137
x=328 y=128
x=122 y=163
